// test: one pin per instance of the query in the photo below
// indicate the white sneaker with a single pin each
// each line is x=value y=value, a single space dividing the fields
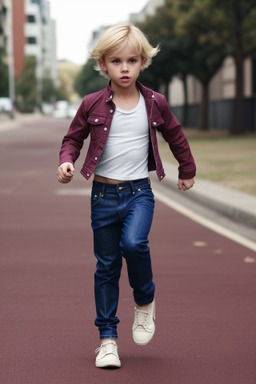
x=143 y=328
x=107 y=356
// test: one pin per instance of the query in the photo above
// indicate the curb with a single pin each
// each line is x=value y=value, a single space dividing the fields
x=236 y=205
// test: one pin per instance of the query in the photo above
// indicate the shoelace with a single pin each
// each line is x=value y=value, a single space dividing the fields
x=141 y=318
x=109 y=347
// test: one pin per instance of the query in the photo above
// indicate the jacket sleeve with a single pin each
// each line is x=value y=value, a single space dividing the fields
x=74 y=139
x=173 y=134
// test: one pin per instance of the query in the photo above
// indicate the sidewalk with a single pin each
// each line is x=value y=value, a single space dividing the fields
x=239 y=206
x=7 y=123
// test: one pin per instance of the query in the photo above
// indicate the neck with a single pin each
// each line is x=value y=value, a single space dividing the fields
x=126 y=100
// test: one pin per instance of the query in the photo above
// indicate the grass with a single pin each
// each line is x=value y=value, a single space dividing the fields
x=228 y=160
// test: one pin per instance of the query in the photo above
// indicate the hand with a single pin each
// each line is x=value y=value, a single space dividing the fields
x=65 y=172
x=184 y=185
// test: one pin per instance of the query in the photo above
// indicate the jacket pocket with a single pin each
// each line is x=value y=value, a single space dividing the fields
x=97 y=126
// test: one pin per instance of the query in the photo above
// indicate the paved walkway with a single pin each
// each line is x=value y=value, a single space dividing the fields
x=205 y=285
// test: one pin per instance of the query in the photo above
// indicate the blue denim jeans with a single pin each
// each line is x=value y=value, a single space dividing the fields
x=121 y=219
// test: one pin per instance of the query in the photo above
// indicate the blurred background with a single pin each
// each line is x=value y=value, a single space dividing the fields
x=206 y=67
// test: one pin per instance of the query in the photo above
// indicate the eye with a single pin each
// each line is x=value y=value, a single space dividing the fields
x=115 y=61
x=133 y=60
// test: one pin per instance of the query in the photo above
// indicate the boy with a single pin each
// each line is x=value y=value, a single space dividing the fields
x=122 y=121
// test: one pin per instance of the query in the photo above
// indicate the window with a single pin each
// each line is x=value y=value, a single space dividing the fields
x=32 y=40
x=31 y=19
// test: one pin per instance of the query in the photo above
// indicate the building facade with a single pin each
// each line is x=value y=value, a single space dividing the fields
x=26 y=29
x=222 y=92
x=41 y=38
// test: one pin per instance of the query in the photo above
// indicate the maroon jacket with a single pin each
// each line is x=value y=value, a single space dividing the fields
x=94 y=117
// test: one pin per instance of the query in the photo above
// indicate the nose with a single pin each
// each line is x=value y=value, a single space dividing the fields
x=124 y=67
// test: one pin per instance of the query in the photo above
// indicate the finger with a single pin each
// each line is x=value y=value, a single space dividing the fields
x=180 y=187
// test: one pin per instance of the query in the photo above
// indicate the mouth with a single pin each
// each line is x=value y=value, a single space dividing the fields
x=125 y=78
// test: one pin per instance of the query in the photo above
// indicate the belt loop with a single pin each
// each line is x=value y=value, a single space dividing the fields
x=103 y=190
x=132 y=187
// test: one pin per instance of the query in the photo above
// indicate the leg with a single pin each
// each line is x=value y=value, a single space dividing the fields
x=108 y=269
x=107 y=235
x=134 y=244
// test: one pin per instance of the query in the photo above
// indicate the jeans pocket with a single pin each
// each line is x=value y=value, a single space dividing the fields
x=96 y=197
x=145 y=190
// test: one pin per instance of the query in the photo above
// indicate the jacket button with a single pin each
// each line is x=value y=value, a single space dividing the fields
x=96 y=158
x=96 y=120
x=105 y=129
x=88 y=174
x=153 y=96
x=154 y=123
x=111 y=111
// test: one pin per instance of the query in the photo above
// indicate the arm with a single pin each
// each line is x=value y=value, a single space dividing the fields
x=72 y=144
x=175 y=137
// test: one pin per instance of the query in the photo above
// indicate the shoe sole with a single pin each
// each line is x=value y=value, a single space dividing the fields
x=108 y=364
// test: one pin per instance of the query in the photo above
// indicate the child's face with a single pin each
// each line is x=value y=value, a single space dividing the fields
x=123 y=67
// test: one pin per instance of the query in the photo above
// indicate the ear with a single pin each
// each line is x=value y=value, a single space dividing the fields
x=143 y=64
x=102 y=65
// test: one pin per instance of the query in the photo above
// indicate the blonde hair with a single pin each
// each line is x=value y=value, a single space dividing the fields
x=116 y=37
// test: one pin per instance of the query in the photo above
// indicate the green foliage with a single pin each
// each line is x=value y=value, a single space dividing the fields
x=48 y=89
x=159 y=30
x=4 y=83
x=26 y=87
x=88 y=80
x=49 y=92
x=196 y=36
x=203 y=23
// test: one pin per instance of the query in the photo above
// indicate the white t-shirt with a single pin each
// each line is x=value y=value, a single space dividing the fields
x=125 y=156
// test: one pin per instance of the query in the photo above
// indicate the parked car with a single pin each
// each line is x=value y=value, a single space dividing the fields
x=6 y=106
x=72 y=110
x=47 y=108
x=61 y=109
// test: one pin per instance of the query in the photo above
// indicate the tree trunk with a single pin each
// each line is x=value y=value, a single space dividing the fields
x=204 y=106
x=238 y=123
x=166 y=92
x=185 y=105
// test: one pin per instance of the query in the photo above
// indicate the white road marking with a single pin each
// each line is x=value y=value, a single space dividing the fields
x=249 y=259
x=200 y=244
x=73 y=192
x=205 y=222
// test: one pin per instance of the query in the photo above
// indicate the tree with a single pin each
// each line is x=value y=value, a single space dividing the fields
x=88 y=79
x=188 y=31
x=4 y=84
x=48 y=89
x=203 y=23
x=50 y=93
x=26 y=87
x=240 y=39
x=159 y=30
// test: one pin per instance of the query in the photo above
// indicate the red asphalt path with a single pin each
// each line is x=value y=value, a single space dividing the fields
x=205 y=295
